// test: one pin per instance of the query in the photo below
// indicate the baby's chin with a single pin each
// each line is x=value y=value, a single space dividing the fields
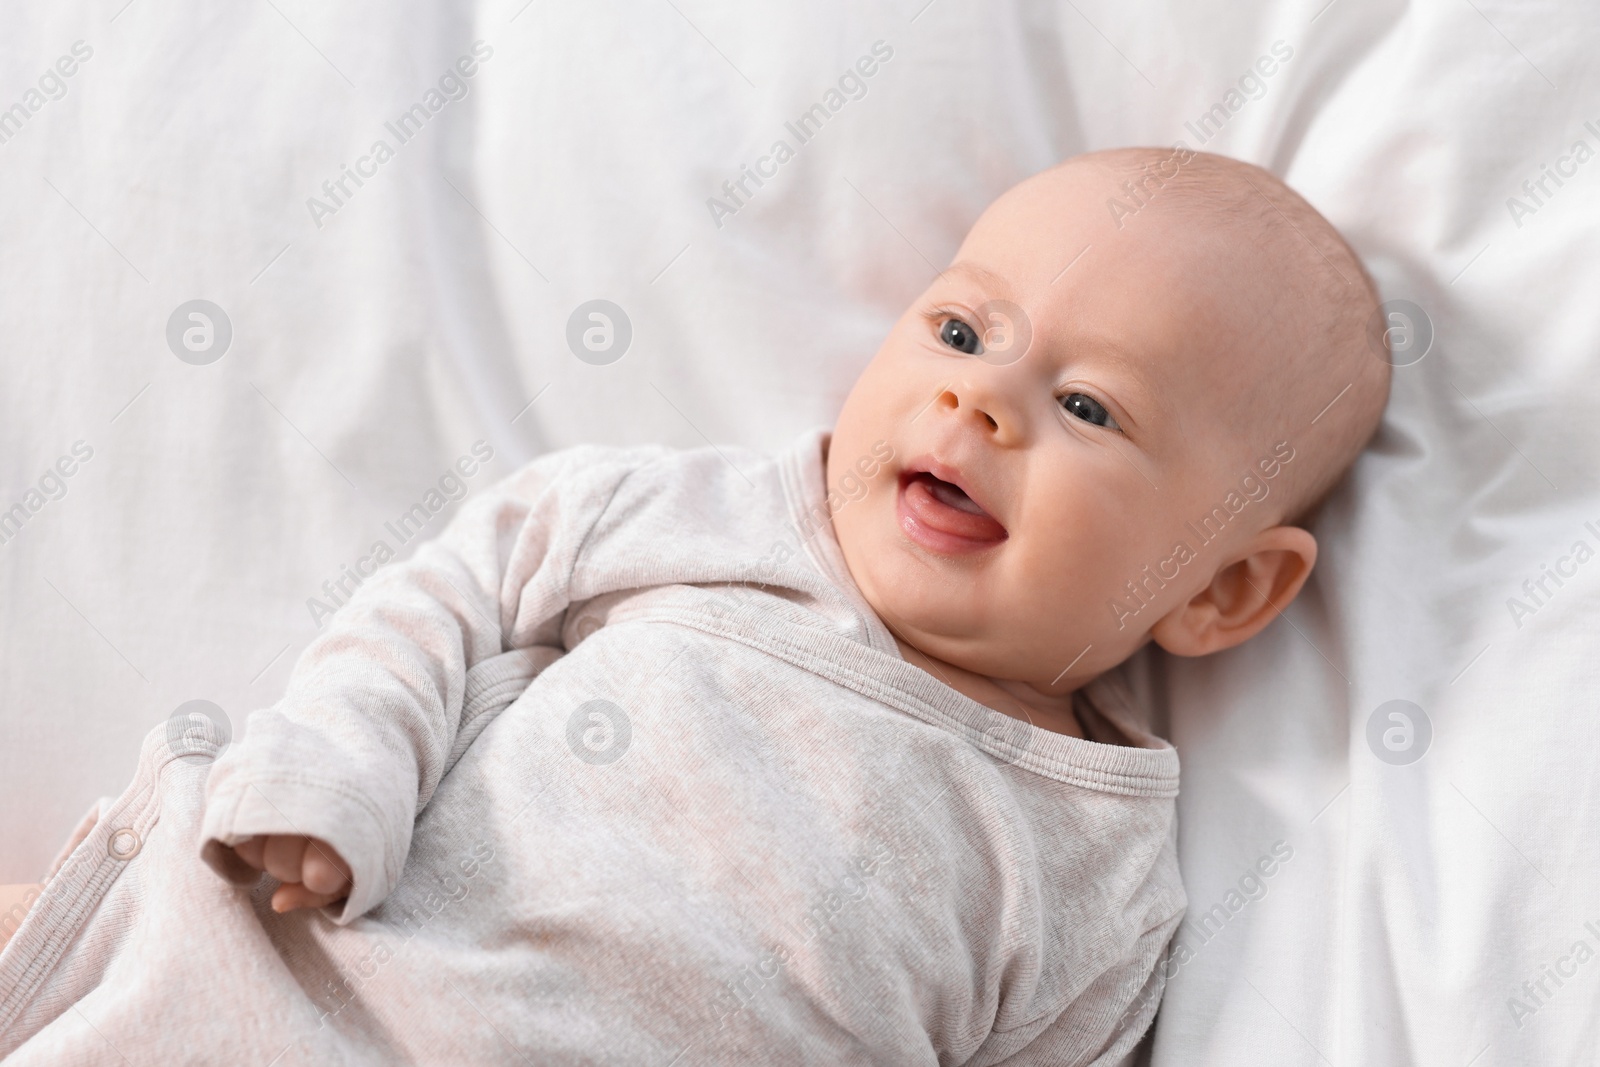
x=951 y=637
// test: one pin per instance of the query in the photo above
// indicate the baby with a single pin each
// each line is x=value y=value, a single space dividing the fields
x=666 y=757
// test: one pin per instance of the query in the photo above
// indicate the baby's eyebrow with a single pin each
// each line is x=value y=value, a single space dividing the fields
x=976 y=272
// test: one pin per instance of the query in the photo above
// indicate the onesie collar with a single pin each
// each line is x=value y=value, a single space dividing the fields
x=1147 y=758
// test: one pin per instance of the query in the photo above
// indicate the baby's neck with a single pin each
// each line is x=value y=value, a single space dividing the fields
x=1020 y=701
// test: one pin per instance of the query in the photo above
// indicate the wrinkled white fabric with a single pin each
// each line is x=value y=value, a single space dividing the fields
x=369 y=354
x=725 y=823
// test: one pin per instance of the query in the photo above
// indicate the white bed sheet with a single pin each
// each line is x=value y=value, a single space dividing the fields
x=422 y=316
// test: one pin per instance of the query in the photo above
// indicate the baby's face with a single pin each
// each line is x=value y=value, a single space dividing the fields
x=1029 y=487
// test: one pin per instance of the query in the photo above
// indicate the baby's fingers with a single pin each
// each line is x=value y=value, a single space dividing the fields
x=288 y=897
x=284 y=855
x=324 y=870
x=311 y=870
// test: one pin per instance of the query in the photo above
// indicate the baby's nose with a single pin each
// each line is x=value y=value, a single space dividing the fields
x=985 y=407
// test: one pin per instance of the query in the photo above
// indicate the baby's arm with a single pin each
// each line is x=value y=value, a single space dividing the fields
x=355 y=748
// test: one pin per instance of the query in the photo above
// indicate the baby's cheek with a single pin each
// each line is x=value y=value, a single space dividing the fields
x=1092 y=589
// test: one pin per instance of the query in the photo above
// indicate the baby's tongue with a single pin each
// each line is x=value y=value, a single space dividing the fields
x=946 y=508
x=955 y=497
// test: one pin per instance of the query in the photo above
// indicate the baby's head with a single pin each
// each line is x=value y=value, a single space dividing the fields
x=1109 y=417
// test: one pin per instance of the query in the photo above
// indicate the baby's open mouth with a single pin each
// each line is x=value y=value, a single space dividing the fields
x=939 y=515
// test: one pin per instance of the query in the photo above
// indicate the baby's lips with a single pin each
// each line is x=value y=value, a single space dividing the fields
x=935 y=514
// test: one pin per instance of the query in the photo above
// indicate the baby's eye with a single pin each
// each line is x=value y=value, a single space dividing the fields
x=961 y=337
x=1089 y=410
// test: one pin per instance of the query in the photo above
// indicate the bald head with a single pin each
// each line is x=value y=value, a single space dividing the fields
x=1299 y=304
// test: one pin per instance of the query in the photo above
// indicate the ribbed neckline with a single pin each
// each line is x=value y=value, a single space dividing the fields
x=1148 y=767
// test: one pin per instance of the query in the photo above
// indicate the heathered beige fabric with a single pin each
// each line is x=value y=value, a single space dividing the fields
x=786 y=845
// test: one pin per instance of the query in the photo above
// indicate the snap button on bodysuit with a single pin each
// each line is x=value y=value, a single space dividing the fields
x=124 y=844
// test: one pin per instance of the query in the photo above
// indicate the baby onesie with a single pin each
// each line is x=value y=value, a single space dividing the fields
x=627 y=772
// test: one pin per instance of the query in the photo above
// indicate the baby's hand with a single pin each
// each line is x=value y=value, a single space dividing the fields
x=312 y=873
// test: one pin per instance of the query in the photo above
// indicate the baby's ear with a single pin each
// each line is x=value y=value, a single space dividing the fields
x=1248 y=591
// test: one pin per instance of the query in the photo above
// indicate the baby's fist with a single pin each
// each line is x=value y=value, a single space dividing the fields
x=312 y=873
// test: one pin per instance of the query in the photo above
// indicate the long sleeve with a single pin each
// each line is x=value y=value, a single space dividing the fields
x=374 y=709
